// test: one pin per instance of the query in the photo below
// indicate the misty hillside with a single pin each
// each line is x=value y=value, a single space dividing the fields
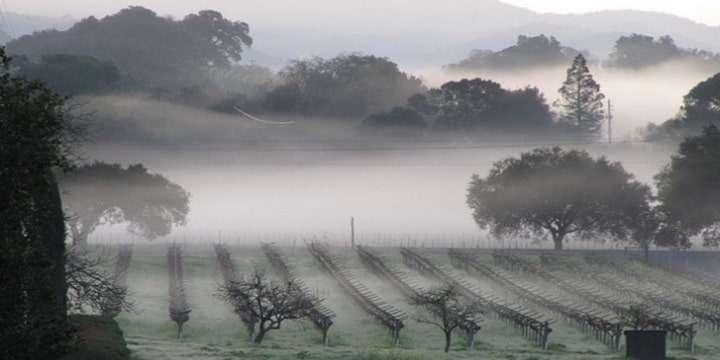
x=420 y=36
x=13 y=25
x=597 y=31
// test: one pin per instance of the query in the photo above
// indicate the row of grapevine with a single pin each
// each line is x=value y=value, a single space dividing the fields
x=595 y=288
x=229 y=275
x=603 y=325
x=178 y=308
x=402 y=282
x=384 y=313
x=533 y=325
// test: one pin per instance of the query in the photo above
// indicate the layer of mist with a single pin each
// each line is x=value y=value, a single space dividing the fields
x=652 y=95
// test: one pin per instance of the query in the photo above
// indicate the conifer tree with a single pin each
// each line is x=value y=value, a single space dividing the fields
x=581 y=102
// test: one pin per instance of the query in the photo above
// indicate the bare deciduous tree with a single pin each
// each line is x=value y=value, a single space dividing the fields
x=91 y=286
x=444 y=308
x=270 y=303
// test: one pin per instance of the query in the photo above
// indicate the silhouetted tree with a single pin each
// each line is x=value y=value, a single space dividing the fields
x=638 y=51
x=444 y=308
x=701 y=107
x=270 y=303
x=91 y=286
x=36 y=137
x=581 y=102
x=480 y=104
x=102 y=193
x=71 y=74
x=347 y=86
x=528 y=52
x=689 y=189
x=557 y=193
x=153 y=51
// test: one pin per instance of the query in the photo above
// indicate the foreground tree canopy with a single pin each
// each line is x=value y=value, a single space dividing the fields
x=345 y=86
x=103 y=193
x=151 y=50
x=701 y=107
x=529 y=52
x=689 y=189
x=478 y=104
x=555 y=192
x=36 y=137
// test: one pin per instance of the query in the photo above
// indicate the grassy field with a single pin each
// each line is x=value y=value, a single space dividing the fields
x=214 y=332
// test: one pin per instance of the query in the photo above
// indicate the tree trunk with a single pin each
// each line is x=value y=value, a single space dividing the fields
x=251 y=332
x=558 y=240
x=260 y=336
x=646 y=251
x=448 y=340
x=48 y=289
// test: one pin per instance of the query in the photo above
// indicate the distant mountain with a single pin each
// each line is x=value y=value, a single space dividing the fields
x=14 y=25
x=598 y=31
x=421 y=36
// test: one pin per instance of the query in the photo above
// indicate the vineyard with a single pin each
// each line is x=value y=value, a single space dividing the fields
x=537 y=305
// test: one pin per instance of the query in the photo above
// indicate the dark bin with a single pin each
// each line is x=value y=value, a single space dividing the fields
x=645 y=345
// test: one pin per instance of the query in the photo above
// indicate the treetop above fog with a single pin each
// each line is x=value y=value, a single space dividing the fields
x=150 y=49
x=345 y=86
x=701 y=108
x=528 y=52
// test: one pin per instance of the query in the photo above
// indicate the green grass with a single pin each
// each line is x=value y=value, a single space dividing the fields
x=214 y=332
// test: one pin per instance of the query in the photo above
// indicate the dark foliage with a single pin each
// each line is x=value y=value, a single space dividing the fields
x=91 y=287
x=638 y=51
x=102 y=193
x=36 y=137
x=345 y=86
x=581 y=102
x=153 y=51
x=479 y=104
x=689 y=190
x=701 y=107
x=71 y=74
x=557 y=193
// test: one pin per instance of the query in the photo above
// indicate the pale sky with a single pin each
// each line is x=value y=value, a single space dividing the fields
x=706 y=11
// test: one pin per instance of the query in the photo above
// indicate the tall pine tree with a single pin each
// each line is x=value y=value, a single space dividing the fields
x=581 y=102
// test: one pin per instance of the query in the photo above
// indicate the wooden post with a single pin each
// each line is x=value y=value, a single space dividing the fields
x=352 y=232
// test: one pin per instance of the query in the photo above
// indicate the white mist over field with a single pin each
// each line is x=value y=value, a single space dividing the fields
x=239 y=193
x=309 y=179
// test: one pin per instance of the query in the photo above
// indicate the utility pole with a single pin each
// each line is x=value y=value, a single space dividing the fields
x=610 y=119
x=352 y=232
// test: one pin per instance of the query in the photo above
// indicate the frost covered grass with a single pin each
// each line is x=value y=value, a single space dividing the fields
x=214 y=332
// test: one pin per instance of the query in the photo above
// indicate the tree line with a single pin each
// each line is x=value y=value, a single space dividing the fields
x=630 y=52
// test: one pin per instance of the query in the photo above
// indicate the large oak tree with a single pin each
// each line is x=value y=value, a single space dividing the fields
x=102 y=193
x=554 y=192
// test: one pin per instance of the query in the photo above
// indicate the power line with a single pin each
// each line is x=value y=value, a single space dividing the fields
x=610 y=120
